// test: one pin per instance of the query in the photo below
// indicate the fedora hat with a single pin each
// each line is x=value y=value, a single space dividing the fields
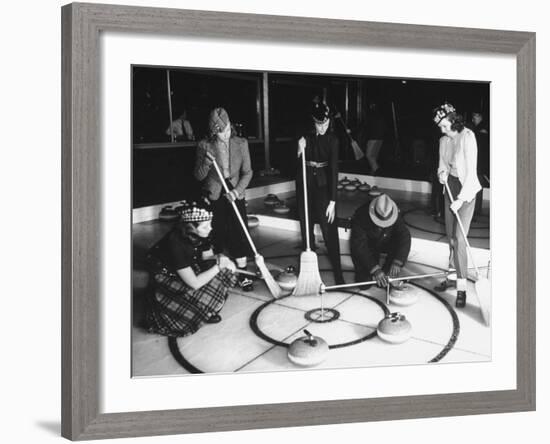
x=383 y=211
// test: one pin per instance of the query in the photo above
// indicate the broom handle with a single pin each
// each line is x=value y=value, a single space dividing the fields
x=339 y=117
x=224 y=185
x=170 y=105
x=246 y=273
x=304 y=180
x=462 y=229
x=404 y=278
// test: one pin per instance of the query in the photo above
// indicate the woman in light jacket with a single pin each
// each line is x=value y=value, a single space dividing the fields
x=457 y=168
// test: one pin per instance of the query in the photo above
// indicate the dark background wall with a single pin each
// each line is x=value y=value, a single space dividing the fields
x=162 y=167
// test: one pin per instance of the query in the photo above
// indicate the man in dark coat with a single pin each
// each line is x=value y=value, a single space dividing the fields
x=380 y=241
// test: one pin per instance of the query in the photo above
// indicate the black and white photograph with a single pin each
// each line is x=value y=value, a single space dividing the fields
x=274 y=222
x=289 y=221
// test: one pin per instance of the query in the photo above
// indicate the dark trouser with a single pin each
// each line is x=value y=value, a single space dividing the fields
x=385 y=254
x=227 y=232
x=458 y=257
x=436 y=199
x=318 y=200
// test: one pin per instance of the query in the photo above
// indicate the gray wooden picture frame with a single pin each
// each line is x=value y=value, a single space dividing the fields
x=81 y=172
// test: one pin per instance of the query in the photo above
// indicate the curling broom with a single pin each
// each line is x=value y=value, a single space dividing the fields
x=309 y=280
x=357 y=151
x=272 y=286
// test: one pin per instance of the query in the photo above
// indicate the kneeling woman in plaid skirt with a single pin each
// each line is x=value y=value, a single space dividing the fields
x=190 y=283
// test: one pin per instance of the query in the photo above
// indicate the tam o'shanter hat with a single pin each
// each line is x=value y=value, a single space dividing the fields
x=320 y=112
x=443 y=111
x=195 y=212
x=218 y=120
x=383 y=211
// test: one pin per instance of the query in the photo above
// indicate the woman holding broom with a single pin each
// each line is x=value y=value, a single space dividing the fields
x=458 y=173
x=190 y=285
x=320 y=149
x=232 y=155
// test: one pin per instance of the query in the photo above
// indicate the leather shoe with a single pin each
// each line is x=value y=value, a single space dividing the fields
x=246 y=284
x=214 y=319
x=444 y=285
x=460 y=299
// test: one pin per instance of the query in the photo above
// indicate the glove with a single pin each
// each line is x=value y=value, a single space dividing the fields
x=301 y=146
x=395 y=269
x=330 y=212
x=232 y=195
x=455 y=206
x=224 y=262
x=209 y=158
x=380 y=277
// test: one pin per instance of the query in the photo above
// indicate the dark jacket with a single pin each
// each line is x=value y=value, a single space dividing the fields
x=368 y=240
x=322 y=149
x=239 y=167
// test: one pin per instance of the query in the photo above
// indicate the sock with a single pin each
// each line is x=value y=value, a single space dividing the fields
x=461 y=284
x=240 y=261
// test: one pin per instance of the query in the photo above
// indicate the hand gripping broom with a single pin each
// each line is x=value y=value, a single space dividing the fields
x=482 y=285
x=272 y=286
x=309 y=280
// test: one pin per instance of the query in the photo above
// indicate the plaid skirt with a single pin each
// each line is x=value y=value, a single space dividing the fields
x=176 y=310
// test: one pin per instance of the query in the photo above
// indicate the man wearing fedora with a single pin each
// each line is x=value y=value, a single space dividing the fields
x=380 y=241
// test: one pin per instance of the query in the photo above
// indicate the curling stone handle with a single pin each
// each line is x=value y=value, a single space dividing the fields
x=310 y=338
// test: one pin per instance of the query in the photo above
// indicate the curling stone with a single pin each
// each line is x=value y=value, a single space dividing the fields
x=179 y=208
x=287 y=279
x=252 y=221
x=308 y=350
x=364 y=187
x=375 y=191
x=168 y=213
x=403 y=294
x=281 y=208
x=394 y=328
x=271 y=200
x=350 y=187
x=272 y=172
x=345 y=181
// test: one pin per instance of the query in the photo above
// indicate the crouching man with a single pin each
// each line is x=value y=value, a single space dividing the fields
x=380 y=241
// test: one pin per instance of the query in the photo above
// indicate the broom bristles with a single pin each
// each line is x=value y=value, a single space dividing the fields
x=309 y=280
x=272 y=286
x=483 y=291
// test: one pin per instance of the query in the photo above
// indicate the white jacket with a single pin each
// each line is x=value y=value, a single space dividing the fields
x=466 y=162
